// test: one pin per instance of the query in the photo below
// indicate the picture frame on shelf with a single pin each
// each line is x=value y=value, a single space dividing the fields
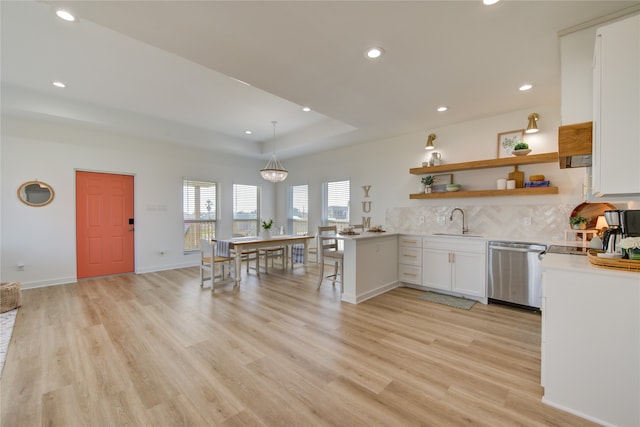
x=508 y=140
x=440 y=182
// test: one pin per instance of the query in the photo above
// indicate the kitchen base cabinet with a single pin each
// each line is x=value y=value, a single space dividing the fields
x=591 y=340
x=456 y=265
x=410 y=259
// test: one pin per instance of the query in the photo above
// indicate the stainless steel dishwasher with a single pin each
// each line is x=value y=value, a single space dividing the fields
x=515 y=274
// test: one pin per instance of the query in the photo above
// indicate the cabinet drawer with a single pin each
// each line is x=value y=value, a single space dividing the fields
x=410 y=274
x=456 y=244
x=410 y=256
x=410 y=241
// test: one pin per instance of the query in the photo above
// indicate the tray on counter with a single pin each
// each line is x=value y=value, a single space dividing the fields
x=612 y=263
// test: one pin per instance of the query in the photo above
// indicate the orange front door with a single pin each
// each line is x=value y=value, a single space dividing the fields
x=104 y=224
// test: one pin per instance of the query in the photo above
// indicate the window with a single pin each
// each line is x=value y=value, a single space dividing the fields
x=245 y=210
x=336 y=203
x=199 y=212
x=298 y=209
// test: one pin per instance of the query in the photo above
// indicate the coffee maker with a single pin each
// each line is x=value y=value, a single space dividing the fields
x=613 y=233
x=621 y=224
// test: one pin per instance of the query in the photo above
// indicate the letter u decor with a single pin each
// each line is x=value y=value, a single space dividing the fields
x=366 y=207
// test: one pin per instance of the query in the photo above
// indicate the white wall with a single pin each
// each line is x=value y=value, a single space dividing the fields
x=43 y=239
x=385 y=166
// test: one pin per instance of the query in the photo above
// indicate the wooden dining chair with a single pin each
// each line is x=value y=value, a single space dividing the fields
x=328 y=251
x=358 y=228
x=213 y=267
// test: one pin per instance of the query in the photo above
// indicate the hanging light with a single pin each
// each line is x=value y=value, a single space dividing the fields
x=274 y=171
x=532 y=126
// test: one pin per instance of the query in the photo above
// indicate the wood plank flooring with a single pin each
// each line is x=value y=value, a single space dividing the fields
x=157 y=350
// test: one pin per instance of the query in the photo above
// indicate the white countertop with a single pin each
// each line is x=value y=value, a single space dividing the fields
x=581 y=263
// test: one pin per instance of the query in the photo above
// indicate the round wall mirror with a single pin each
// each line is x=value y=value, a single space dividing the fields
x=35 y=193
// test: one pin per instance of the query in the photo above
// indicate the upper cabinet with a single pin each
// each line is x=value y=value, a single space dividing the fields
x=616 y=104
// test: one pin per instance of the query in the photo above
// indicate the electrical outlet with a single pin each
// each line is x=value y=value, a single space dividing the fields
x=526 y=221
x=421 y=220
x=441 y=219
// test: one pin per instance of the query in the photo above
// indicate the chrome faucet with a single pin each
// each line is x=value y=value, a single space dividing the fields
x=464 y=229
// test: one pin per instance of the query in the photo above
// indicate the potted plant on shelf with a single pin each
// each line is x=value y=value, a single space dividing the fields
x=521 y=149
x=578 y=222
x=266 y=229
x=427 y=181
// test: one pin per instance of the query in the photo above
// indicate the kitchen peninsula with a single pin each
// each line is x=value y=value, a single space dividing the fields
x=370 y=265
x=591 y=340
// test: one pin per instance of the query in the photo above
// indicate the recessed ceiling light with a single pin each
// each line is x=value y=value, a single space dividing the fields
x=525 y=87
x=63 y=14
x=306 y=109
x=59 y=84
x=248 y=132
x=374 y=52
x=490 y=2
x=442 y=108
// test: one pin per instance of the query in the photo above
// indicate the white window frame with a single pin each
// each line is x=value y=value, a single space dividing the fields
x=325 y=204
x=197 y=228
x=294 y=193
x=240 y=224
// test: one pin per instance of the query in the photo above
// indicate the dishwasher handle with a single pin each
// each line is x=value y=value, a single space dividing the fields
x=512 y=249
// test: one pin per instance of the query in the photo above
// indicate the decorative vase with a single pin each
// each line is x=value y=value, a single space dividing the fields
x=266 y=234
x=634 y=253
x=427 y=189
x=579 y=226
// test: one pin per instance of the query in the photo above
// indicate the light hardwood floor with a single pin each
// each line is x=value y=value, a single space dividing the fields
x=157 y=350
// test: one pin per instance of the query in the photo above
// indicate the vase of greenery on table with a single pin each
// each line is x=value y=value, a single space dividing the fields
x=266 y=229
x=631 y=247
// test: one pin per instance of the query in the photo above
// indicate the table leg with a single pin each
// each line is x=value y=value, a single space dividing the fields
x=238 y=267
x=306 y=252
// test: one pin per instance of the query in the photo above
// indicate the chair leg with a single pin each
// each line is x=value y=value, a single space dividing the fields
x=335 y=273
x=321 y=274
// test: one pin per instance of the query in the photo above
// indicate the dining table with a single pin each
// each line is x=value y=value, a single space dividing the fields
x=238 y=245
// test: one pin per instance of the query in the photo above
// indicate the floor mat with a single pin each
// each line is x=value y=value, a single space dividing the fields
x=456 y=302
x=7 y=320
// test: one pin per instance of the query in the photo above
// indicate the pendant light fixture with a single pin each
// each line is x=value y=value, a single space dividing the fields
x=274 y=171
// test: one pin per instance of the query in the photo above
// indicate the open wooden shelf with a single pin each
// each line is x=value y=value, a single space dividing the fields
x=529 y=191
x=485 y=164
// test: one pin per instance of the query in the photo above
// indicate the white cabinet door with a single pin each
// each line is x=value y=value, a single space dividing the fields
x=616 y=148
x=436 y=269
x=469 y=271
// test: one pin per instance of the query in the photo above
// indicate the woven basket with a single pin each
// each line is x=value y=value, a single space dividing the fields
x=613 y=263
x=10 y=296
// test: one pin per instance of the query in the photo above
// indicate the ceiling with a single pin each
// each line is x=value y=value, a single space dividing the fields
x=200 y=73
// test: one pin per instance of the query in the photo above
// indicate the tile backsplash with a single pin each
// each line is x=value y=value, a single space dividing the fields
x=535 y=223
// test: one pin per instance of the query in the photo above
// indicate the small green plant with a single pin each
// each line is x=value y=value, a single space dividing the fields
x=427 y=180
x=577 y=220
x=521 y=146
x=266 y=225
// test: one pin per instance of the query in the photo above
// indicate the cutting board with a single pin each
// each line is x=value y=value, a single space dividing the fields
x=518 y=176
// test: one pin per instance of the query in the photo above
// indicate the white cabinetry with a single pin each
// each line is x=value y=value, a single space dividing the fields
x=456 y=265
x=616 y=105
x=591 y=340
x=410 y=259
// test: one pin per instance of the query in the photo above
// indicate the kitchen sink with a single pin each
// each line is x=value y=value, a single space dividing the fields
x=457 y=235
